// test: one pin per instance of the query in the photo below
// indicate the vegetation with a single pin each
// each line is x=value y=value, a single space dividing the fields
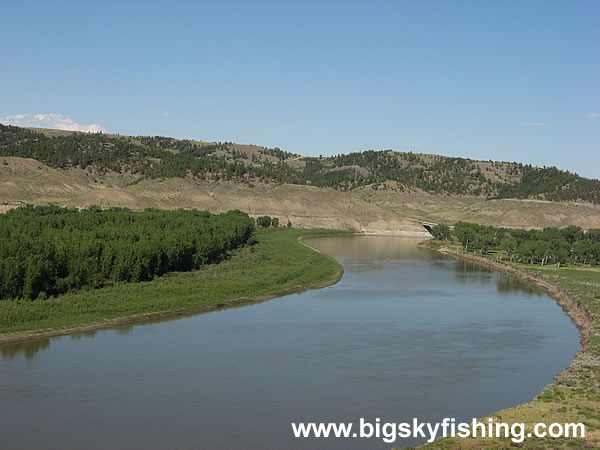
x=441 y=232
x=550 y=245
x=268 y=221
x=47 y=251
x=552 y=184
x=575 y=396
x=274 y=263
x=263 y=221
x=160 y=157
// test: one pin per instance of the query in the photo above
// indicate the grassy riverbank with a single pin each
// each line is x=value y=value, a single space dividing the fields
x=276 y=263
x=575 y=395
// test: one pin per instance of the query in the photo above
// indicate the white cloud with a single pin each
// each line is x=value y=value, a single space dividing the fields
x=535 y=124
x=594 y=115
x=51 y=120
x=161 y=112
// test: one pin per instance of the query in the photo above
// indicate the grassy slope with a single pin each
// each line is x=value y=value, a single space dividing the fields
x=276 y=264
x=575 y=396
x=396 y=171
x=28 y=181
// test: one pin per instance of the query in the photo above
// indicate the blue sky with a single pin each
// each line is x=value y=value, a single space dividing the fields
x=502 y=80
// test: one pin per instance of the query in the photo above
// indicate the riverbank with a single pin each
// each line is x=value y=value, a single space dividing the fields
x=575 y=394
x=577 y=311
x=277 y=264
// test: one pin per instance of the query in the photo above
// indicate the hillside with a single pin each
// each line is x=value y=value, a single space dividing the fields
x=376 y=191
x=158 y=157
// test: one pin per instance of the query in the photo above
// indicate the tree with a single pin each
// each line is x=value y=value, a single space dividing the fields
x=581 y=252
x=593 y=235
x=484 y=240
x=542 y=251
x=52 y=250
x=35 y=276
x=556 y=245
x=561 y=253
x=595 y=253
x=509 y=245
x=441 y=232
x=572 y=233
x=527 y=251
x=465 y=233
x=263 y=221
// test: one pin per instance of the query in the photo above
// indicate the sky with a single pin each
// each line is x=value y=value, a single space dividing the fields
x=501 y=80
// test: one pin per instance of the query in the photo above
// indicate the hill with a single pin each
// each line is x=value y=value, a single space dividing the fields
x=368 y=191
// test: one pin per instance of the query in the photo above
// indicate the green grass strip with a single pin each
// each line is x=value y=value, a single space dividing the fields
x=277 y=263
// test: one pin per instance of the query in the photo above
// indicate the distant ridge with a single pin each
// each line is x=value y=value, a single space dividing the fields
x=151 y=157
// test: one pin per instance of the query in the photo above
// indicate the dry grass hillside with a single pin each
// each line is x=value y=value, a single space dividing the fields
x=24 y=180
x=156 y=157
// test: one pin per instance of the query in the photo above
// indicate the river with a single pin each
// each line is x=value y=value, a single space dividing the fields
x=406 y=333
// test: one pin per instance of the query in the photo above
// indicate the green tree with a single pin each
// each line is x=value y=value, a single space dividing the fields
x=441 y=232
x=581 y=252
x=52 y=250
x=465 y=233
x=508 y=246
x=263 y=221
x=527 y=251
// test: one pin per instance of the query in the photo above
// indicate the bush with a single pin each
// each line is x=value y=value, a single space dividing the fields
x=263 y=221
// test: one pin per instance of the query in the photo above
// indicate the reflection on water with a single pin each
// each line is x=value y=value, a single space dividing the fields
x=84 y=335
x=124 y=330
x=464 y=266
x=28 y=348
x=507 y=285
x=406 y=333
x=371 y=248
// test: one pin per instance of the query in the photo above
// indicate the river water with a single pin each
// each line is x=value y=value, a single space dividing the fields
x=406 y=333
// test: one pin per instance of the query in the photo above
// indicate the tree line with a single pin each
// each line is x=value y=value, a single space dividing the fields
x=552 y=184
x=548 y=246
x=49 y=250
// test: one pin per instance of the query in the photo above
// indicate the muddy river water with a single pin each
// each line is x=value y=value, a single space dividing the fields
x=406 y=333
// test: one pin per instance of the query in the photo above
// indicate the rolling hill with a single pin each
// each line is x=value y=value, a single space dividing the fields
x=370 y=191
